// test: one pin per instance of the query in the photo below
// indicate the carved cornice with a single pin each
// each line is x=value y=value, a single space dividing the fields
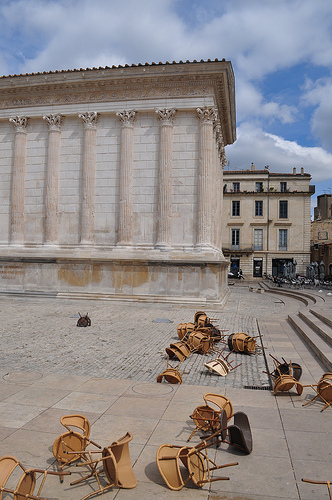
x=53 y=121
x=89 y=119
x=20 y=123
x=166 y=116
x=142 y=82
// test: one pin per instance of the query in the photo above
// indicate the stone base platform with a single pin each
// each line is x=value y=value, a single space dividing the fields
x=122 y=276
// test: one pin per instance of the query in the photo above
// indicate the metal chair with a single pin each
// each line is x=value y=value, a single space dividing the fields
x=221 y=365
x=323 y=390
x=116 y=466
x=27 y=482
x=171 y=374
x=207 y=417
x=195 y=460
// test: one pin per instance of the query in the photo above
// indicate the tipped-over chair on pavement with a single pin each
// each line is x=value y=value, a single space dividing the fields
x=27 y=482
x=314 y=481
x=284 y=368
x=116 y=466
x=68 y=446
x=237 y=434
x=180 y=350
x=197 y=465
x=284 y=382
x=323 y=390
x=172 y=374
x=241 y=342
x=221 y=365
x=207 y=417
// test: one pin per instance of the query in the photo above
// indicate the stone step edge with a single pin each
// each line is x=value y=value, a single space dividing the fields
x=313 y=340
x=317 y=325
x=322 y=316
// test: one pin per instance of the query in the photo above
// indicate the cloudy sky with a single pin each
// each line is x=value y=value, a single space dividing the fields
x=281 y=53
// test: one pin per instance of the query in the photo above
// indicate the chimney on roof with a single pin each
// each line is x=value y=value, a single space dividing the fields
x=302 y=170
x=252 y=167
x=294 y=170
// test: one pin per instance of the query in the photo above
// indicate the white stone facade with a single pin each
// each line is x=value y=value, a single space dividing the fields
x=111 y=180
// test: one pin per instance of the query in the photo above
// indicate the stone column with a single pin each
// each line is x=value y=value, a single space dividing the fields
x=125 y=225
x=205 y=199
x=220 y=162
x=88 y=176
x=18 y=180
x=164 y=214
x=52 y=179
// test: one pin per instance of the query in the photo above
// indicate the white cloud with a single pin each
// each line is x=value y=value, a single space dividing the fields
x=319 y=94
x=261 y=148
x=250 y=102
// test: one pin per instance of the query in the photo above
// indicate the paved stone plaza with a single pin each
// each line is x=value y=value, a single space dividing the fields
x=125 y=340
x=107 y=372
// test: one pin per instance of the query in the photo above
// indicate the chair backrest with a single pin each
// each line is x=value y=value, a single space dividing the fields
x=172 y=376
x=8 y=464
x=221 y=402
x=78 y=422
x=240 y=432
x=120 y=450
x=168 y=464
x=26 y=485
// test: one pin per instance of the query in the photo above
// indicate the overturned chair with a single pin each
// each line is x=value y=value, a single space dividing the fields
x=285 y=368
x=172 y=374
x=68 y=446
x=26 y=485
x=207 y=417
x=241 y=342
x=197 y=465
x=284 y=382
x=116 y=467
x=323 y=390
x=237 y=434
x=221 y=364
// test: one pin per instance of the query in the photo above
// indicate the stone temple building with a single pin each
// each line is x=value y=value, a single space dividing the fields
x=111 y=181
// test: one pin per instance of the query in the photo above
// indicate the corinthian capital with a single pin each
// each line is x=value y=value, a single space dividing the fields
x=53 y=121
x=207 y=115
x=89 y=119
x=166 y=115
x=127 y=117
x=20 y=123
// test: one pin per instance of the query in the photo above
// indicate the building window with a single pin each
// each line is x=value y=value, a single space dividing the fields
x=235 y=239
x=236 y=187
x=283 y=239
x=258 y=239
x=283 y=209
x=283 y=187
x=235 y=208
x=259 y=187
x=258 y=208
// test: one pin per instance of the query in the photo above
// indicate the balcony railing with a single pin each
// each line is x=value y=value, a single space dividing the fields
x=243 y=248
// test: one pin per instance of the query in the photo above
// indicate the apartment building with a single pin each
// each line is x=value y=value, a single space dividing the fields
x=266 y=220
x=321 y=233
